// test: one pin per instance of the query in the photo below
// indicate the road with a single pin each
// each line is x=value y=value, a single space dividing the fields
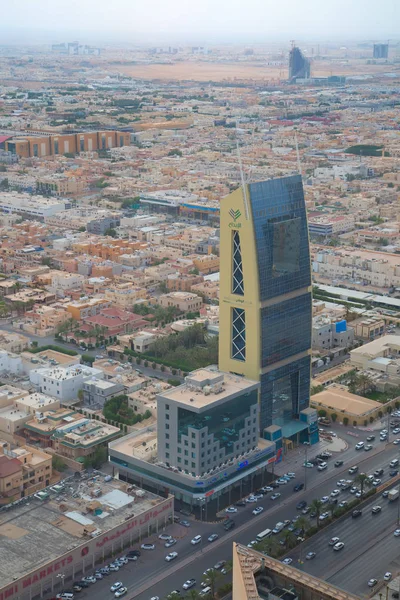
x=152 y=576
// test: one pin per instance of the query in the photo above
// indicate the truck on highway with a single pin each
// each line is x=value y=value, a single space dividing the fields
x=278 y=527
x=393 y=494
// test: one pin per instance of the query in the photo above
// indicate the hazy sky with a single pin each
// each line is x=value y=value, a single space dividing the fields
x=204 y=20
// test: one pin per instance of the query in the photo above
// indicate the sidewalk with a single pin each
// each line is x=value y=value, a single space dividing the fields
x=295 y=458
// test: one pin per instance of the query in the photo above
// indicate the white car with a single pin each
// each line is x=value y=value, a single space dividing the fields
x=189 y=584
x=353 y=489
x=335 y=493
x=148 y=546
x=360 y=446
x=396 y=533
x=322 y=466
x=196 y=540
x=338 y=546
x=333 y=541
x=249 y=499
x=325 y=499
x=258 y=510
x=341 y=482
x=287 y=561
x=171 y=556
x=291 y=475
x=90 y=579
x=116 y=586
x=121 y=592
x=232 y=509
x=387 y=576
x=164 y=536
x=254 y=542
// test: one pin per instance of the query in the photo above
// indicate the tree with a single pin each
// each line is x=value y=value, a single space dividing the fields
x=362 y=480
x=110 y=232
x=289 y=539
x=316 y=506
x=57 y=463
x=303 y=524
x=333 y=417
x=193 y=595
x=322 y=413
x=332 y=508
x=270 y=546
x=211 y=580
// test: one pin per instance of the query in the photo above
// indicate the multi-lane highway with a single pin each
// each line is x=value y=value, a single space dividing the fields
x=152 y=576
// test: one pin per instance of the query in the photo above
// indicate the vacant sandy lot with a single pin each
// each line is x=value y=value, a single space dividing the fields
x=209 y=71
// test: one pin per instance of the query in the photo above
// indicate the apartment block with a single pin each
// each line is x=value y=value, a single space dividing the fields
x=183 y=301
x=86 y=307
x=63 y=383
x=125 y=295
x=23 y=471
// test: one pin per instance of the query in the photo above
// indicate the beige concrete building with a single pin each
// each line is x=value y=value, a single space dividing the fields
x=125 y=295
x=183 y=301
x=369 y=329
x=13 y=342
x=23 y=471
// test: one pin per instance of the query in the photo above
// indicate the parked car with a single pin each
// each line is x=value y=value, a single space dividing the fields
x=148 y=546
x=115 y=586
x=171 y=556
x=171 y=542
x=189 y=584
x=298 y=487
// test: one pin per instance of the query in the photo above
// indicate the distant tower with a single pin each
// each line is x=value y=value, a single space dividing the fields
x=299 y=65
x=381 y=51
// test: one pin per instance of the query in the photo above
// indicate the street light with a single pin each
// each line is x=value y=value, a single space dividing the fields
x=62 y=577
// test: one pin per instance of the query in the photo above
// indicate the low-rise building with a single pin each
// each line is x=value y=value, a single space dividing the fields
x=183 y=301
x=13 y=342
x=63 y=383
x=125 y=295
x=327 y=334
x=96 y=392
x=23 y=471
x=369 y=329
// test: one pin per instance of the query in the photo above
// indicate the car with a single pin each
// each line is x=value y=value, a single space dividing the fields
x=213 y=537
x=298 y=487
x=219 y=565
x=171 y=542
x=148 y=546
x=164 y=536
x=384 y=432
x=306 y=510
x=376 y=509
x=249 y=500
x=338 y=463
x=310 y=555
x=121 y=592
x=396 y=533
x=171 y=556
x=82 y=584
x=333 y=541
x=394 y=463
x=104 y=571
x=300 y=505
x=233 y=509
x=258 y=496
x=385 y=494
x=275 y=496
x=291 y=475
x=184 y=523
x=65 y=596
x=376 y=482
x=341 y=482
x=323 y=516
x=133 y=553
x=189 y=584
x=370 y=438
x=196 y=540
x=353 y=470
x=123 y=560
x=308 y=465
x=131 y=557
x=356 y=513
x=343 y=504
x=393 y=473
x=368 y=447
x=240 y=503
x=115 y=586
x=287 y=561
x=396 y=442
x=372 y=582
x=322 y=466
x=258 y=510
x=281 y=481
x=359 y=446
x=338 y=546
x=396 y=430
x=353 y=489
x=174 y=593
x=325 y=499
x=335 y=493
x=252 y=544
x=77 y=588
x=89 y=579
x=98 y=575
x=267 y=488
x=379 y=472
x=387 y=576
x=358 y=494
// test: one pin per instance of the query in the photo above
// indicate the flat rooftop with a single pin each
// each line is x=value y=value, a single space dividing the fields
x=378 y=347
x=205 y=387
x=340 y=399
x=63 y=522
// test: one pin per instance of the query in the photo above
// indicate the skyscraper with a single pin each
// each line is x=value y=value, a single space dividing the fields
x=381 y=50
x=265 y=299
x=299 y=65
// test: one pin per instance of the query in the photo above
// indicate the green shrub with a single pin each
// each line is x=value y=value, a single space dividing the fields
x=55 y=348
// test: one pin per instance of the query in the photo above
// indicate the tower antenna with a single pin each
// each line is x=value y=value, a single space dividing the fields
x=244 y=188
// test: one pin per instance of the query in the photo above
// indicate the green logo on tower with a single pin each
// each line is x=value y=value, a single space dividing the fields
x=235 y=214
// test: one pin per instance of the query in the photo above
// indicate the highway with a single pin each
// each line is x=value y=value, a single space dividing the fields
x=153 y=576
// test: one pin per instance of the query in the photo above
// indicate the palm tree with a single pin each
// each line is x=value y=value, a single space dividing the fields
x=316 y=506
x=332 y=507
x=270 y=546
x=303 y=524
x=211 y=580
x=363 y=481
x=289 y=539
x=193 y=595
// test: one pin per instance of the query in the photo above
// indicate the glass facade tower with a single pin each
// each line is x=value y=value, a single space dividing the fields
x=265 y=296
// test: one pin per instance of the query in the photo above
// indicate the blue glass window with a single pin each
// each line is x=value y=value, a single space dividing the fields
x=237 y=266
x=238 y=334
